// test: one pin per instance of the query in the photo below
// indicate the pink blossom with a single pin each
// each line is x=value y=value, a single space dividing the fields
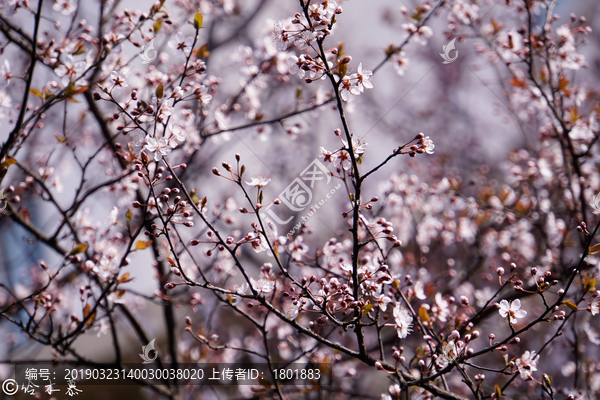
x=66 y=7
x=5 y=75
x=119 y=79
x=512 y=310
x=262 y=285
x=182 y=44
x=71 y=70
x=403 y=321
x=527 y=364
x=157 y=147
x=400 y=62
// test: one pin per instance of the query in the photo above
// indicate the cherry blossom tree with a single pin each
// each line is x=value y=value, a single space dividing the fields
x=228 y=178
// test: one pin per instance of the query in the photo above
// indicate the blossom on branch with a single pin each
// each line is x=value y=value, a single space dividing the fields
x=428 y=145
x=5 y=75
x=512 y=310
x=465 y=12
x=119 y=79
x=363 y=77
x=70 y=70
x=262 y=285
x=176 y=136
x=400 y=62
x=182 y=44
x=403 y=321
x=65 y=7
x=356 y=83
x=259 y=181
x=158 y=147
x=527 y=364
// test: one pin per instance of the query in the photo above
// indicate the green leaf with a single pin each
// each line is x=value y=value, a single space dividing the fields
x=87 y=312
x=595 y=249
x=423 y=315
x=128 y=215
x=367 y=308
x=36 y=93
x=343 y=68
x=80 y=248
x=590 y=284
x=570 y=304
x=203 y=52
x=159 y=91
x=141 y=244
x=125 y=278
x=198 y=20
x=158 y=25
x=8 y=163
x=498 y=392
x=79 y=49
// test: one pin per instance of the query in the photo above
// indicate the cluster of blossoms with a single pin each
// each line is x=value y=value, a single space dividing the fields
x=302 y=32
x=158 y=147
x=356 y=83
